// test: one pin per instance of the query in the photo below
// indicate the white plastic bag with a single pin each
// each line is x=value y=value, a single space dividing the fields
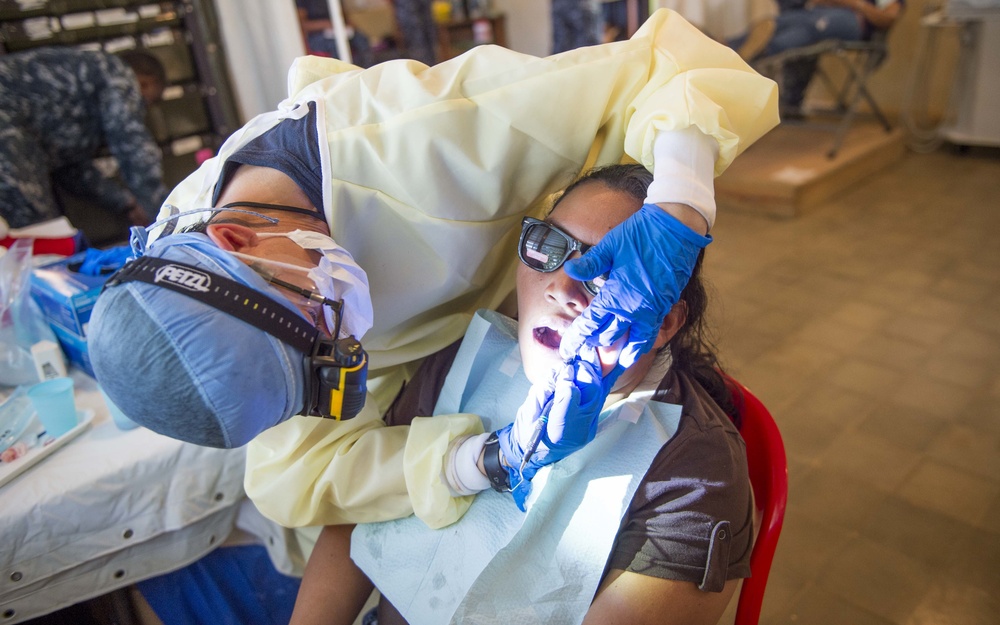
x=21 y=322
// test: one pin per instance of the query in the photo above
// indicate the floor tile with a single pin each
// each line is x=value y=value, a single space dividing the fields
x=864 y=377
x=956 y=493
x=940 y=398
x=806 y=546
x=957 y=370
x=983 y=414
x=921 y=329
x=872 y=325
x=975 y=562
x=869 y=459
x=835 y=500
x=951 y=603
x=974 y=345
x=964 y=448
x=896 y=353
x=861 y=315
x=929 y=537
x=878 y=579
x=818 y=605
x=904 y=426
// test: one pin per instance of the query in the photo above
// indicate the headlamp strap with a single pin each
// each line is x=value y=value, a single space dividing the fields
x=231 y=297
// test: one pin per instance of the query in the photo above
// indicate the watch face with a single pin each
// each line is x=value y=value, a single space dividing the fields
x=494 y=465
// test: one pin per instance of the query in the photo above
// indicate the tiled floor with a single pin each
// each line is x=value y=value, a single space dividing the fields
x=870 y=326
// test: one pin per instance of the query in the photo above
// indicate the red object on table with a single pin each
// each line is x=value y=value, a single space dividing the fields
x=57 y=236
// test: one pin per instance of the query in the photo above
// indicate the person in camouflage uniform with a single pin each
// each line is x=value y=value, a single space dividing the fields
x=417 y=28
x=58 y=107
x=575 y=24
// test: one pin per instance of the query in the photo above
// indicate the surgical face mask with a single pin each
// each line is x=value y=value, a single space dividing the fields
x=337 y=277
x=295 y=284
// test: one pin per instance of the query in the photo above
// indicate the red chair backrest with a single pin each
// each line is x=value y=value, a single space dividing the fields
x=768 y=469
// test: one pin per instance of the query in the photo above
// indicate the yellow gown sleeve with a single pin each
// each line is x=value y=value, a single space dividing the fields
x=310 y=471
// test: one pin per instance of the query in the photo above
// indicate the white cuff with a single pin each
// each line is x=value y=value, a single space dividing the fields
x=461 y=467
x=684 y=170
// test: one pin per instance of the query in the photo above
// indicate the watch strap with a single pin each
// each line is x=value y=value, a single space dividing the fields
x=495 y=470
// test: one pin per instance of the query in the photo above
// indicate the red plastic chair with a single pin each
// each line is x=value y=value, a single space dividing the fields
x=768 y=468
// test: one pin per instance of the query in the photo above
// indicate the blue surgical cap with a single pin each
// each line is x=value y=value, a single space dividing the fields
x=185 y=369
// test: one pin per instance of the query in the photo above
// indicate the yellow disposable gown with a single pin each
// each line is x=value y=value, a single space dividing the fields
x=427 y=173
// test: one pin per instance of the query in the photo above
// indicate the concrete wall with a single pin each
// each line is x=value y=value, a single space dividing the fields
x=529 y=25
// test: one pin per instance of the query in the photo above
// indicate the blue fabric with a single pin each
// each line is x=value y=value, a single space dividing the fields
x=575 y=24
x=292 y=148
x=799 y=28
x=231 y=585
x=58 y=107
x=165 y=359
x=99 y=262
x=562 y=415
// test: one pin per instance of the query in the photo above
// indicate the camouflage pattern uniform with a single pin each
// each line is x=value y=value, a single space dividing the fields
x=58 y=107
x=418 y=29
x=575 y=24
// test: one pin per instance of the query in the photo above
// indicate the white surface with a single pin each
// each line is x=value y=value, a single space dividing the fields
x=528 y=25
x=261 y=39
x=108 y=509
x=976 y=92
x=10 y=470
x=339 y=30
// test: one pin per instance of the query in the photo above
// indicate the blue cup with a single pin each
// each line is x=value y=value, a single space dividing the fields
x=54 y=403
x=123 y=422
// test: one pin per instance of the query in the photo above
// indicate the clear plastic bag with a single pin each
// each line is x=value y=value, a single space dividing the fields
x=21 y=321
x=15 y=416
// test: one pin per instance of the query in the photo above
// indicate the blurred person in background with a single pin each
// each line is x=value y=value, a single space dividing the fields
x=58 y=108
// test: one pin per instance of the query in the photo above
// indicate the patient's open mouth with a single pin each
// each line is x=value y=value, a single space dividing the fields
x=547 y=337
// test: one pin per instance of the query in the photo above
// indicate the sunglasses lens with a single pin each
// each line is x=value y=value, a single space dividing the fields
x=594 y=286
x=542 y=248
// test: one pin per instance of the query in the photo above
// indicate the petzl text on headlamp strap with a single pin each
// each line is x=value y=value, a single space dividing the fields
x=229 y=296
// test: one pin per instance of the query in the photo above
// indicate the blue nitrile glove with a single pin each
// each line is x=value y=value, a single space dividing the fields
x=98 y=262
x=571 y=402
x=649 y=258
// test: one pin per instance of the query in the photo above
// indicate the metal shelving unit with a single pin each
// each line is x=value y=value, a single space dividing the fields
x=198 y=109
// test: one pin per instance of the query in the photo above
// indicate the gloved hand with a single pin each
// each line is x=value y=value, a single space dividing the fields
x=99 y=262
x=566 y=408
x=649 y=258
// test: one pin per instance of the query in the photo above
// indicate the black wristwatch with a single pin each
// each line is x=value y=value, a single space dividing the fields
x=495 y=471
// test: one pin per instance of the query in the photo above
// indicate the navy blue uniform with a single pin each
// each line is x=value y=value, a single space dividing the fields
x=575 y=24
x=58 y=107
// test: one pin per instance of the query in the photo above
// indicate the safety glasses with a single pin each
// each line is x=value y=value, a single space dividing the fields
x=545 y=248
x=295 y=283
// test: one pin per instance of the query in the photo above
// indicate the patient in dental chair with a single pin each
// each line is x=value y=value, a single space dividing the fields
x=651 y=522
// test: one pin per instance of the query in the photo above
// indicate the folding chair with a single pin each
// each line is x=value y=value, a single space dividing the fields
x=768 y=468
x=859 y=59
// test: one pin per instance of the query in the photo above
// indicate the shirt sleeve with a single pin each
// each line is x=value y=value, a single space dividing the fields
x=692 y=517
x=128 y=138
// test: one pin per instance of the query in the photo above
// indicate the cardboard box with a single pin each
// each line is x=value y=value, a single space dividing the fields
x=75 y=348
x=65 y=296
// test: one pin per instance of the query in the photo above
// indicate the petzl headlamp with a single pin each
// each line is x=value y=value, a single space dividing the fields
x=335 y=370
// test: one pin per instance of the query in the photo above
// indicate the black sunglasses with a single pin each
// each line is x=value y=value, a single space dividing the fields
x=545 y=248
